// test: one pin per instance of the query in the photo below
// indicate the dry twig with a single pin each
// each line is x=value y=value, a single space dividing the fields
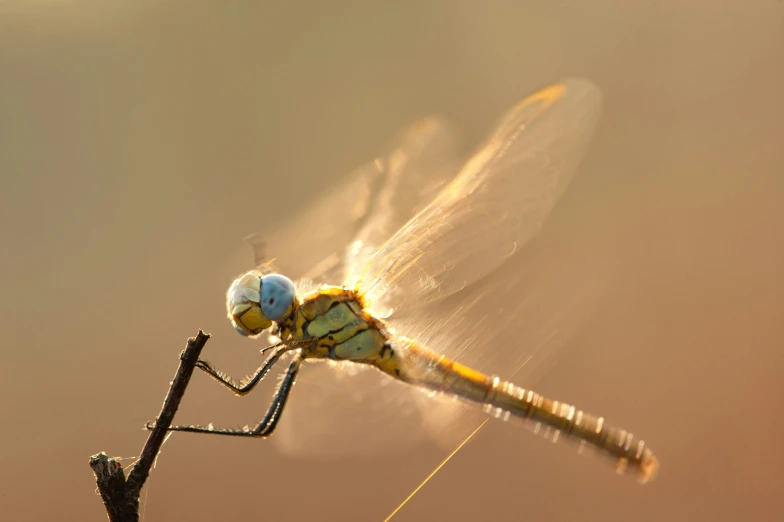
x=121 y=496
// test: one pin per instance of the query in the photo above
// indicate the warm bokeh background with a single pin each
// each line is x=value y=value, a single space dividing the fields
x=140 y=141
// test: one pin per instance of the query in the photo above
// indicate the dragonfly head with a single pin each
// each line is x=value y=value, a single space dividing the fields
x=254 y=301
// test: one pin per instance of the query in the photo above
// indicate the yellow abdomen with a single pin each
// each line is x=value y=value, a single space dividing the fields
x=415 y=364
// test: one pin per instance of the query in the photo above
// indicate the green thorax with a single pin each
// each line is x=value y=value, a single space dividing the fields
x=335 y=319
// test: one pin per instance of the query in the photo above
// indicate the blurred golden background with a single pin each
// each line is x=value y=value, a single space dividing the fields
x=141 y=141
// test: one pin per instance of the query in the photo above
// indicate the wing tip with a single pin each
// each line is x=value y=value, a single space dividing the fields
x=583 y=89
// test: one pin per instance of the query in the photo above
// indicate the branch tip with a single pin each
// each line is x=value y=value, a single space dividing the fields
x=121 y=496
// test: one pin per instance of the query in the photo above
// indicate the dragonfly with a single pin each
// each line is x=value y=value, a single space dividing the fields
x=415 y=250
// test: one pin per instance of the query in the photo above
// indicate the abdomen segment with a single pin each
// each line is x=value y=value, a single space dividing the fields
x=415 y=364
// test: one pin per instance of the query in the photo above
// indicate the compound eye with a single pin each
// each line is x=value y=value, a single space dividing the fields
x=277 y=296
x=242 y=303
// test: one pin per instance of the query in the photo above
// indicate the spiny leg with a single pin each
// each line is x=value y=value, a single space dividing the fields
x=248 y=383
x=271 y=418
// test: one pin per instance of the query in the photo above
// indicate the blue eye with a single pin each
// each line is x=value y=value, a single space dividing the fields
x=277 y=296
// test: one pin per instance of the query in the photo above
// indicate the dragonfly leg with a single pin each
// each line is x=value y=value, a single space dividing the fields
x=270 y=420
x=248 y=383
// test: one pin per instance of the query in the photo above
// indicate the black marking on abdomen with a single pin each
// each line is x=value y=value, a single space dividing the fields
x=387 y=348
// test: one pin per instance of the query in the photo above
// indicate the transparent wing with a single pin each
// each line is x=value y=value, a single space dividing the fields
x=417 y=168
x=326 y=225
x=344 y=226
x=341 y=229
x=501 y=197
x=511 y=324
x=496 y=204
x=427 y=273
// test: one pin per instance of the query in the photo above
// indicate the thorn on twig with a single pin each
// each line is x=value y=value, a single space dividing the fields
x=121 y=496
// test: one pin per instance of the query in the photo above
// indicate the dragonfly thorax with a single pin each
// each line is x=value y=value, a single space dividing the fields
x=334 y=324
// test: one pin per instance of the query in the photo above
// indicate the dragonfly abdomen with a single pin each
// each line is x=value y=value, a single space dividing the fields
x=630 y=454
x=504 y=400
